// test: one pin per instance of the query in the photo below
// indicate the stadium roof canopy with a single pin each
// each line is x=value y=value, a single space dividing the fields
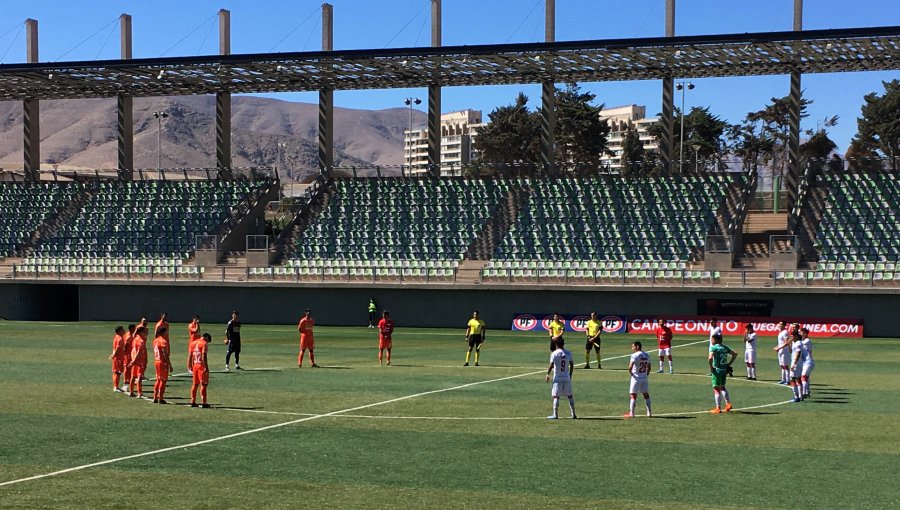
x=815 y=51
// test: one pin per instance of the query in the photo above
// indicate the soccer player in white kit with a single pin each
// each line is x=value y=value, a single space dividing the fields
x=750 y=352
x=796 y=365
x=561 y=366
x=639 y=370
x=808 y=362
x=782 y=347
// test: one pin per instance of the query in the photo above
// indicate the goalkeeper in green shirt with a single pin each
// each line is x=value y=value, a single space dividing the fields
x=719 y=370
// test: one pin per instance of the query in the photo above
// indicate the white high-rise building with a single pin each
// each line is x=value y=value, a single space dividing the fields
x=619 y=119
x=458 y=131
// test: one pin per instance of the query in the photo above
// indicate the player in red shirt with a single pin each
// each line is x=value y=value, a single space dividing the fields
x=138 y=361
x=118 y=358
x=162 y=363
x=127 y=340
x=198 y=366
x=307 y=342
x=664 y=342
x=385 y=330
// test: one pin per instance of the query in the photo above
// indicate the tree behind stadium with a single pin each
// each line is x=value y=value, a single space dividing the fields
x=878 y=136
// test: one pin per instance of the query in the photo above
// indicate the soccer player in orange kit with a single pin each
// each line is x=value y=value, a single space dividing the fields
x=138 y=362
x=118 y=358
x=162 y=363
x=198 y=365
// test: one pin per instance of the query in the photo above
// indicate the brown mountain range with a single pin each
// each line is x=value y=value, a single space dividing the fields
x=81 y=134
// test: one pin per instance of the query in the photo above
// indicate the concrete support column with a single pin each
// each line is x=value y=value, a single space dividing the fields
x=124 y=111
x=548 y=98
x=793 y=173
x=223 y=102
x=434 y=98
x=326 y=101
x=667 y=120
x=31 y=112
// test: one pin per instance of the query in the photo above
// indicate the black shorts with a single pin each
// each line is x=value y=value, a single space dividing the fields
x=591 y=345
x=475 y=340
x=553 y=343
x=234 y=346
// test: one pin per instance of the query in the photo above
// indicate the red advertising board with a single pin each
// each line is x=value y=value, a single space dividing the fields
x=734 y=326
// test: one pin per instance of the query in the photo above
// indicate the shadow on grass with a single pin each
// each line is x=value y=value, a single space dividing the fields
x=757 y=413
x=829 y=401
x=234 y=408
x=673 y=418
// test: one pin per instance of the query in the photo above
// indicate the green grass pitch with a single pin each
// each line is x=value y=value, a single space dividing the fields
x=429 y=432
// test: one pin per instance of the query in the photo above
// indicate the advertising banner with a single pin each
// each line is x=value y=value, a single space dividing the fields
x=734 y=326
x=573 y=323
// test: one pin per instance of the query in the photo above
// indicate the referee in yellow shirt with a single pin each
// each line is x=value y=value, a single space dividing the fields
x=557 y=328
x=594 y=328
x=475 y=332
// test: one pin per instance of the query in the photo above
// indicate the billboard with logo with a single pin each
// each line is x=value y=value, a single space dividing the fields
x=572 y=322
x=734 y=326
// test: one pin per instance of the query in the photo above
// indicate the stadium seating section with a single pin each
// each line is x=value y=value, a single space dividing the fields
x=26 y=206
x=860 y=225
x=401 y=219
x=619 y=220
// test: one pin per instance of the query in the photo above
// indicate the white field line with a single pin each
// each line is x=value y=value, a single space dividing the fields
x=257 y=430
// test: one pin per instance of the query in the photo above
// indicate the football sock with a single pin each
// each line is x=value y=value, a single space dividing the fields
x=203 y=393
x=796 y=388
x=162 y=389
x=237 y=358
x=228 y=357
x=749 y=372
x=555 y=406
x=312 y=357
x=754 y=373
x=587 y=357
x=380 y=356
x=115 y=380
x=805 y=387
x=647 y=403
x=389 y=356
x=660 y=364
x=670 y=365
x=718 y=398
x=468 y=353
x=631 y=403
x=726 y=396
x=572 y=404
x=193 y=393
x=477 y=355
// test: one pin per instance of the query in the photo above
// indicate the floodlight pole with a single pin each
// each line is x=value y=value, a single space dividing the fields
x=682 y=86
x=410 y=101
x=160 y=115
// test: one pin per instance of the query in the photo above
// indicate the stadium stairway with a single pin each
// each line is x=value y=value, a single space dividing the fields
x=307 y=214
x=495 y=229
x=808 y=228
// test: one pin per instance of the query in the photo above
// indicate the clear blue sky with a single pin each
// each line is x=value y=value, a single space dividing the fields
x=86 y=29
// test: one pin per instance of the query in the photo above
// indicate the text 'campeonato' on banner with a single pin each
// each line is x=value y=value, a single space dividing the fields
x=694 y=325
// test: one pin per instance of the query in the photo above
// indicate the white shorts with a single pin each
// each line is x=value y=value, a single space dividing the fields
x=784 y=358
x=641 y=385
x=561 y=389
x=797 y=371
x=665 y=352
x=750 y=356
x=807 y=368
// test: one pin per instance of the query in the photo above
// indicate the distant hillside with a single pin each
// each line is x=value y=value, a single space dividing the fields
x=82 y=133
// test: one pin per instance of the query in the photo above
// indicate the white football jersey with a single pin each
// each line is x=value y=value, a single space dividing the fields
x=806 y=353
x=562 y=360
x=750 y=341
x=797 y=352
x=782 y=337
x=641 y=362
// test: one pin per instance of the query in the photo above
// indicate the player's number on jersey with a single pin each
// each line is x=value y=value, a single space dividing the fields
x=562 y=364
x=644 y=367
